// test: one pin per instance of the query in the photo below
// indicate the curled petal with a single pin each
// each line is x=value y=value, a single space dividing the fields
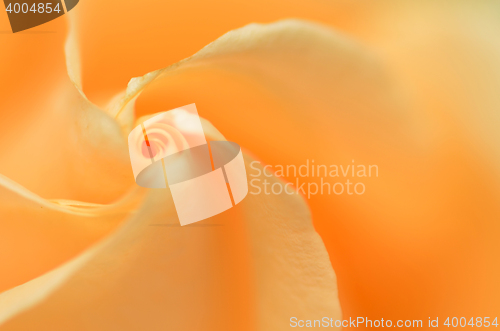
x=253 y=266
x=38 y=235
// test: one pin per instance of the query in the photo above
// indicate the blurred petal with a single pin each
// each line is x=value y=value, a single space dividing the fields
x=134 y=263
x=142 y=38
x=294 y=91
x=256 y=265
x=448 y=57
x=37 y=235
x=65 y=147
x=291 y=65
x=21 y=298
x=69 y=150
x=294 y=276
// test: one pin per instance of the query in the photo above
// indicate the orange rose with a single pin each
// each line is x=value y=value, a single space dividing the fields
x=409 y=86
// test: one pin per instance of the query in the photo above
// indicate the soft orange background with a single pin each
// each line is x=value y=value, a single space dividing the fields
x=423 y=240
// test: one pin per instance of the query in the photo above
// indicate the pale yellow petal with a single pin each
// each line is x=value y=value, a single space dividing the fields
x=252 y=267
x=64 y=147
x=37 y=235
x=417 y=103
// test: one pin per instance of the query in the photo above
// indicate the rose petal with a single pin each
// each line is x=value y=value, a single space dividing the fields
x=63 y=148
x=256 y=265
x=293 y=92
x=140 y=38
x=68 y=148
x=37 y=235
